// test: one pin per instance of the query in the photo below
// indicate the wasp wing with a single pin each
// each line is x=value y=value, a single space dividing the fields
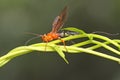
x=59 y=20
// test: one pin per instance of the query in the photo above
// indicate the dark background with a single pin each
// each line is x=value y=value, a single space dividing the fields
x=20 y=16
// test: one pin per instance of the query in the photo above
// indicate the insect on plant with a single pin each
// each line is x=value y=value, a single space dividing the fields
x=56 y=26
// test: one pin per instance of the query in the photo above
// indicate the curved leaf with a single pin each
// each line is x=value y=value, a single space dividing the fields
x=75 y=30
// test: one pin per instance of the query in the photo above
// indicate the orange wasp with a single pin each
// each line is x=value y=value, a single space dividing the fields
x=56 y=26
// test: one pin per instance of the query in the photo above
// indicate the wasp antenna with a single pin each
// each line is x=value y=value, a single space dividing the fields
x=105 y=33
x=33 y=33
x=31 y=40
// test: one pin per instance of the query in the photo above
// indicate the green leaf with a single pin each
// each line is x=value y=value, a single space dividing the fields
x=60 y=52
x=72 y=49
x=75 y=30
x=3 y=62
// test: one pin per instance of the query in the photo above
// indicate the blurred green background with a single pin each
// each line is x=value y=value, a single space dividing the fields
x=20 y=16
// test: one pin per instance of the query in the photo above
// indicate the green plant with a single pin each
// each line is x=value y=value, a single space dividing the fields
x=72 y=49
